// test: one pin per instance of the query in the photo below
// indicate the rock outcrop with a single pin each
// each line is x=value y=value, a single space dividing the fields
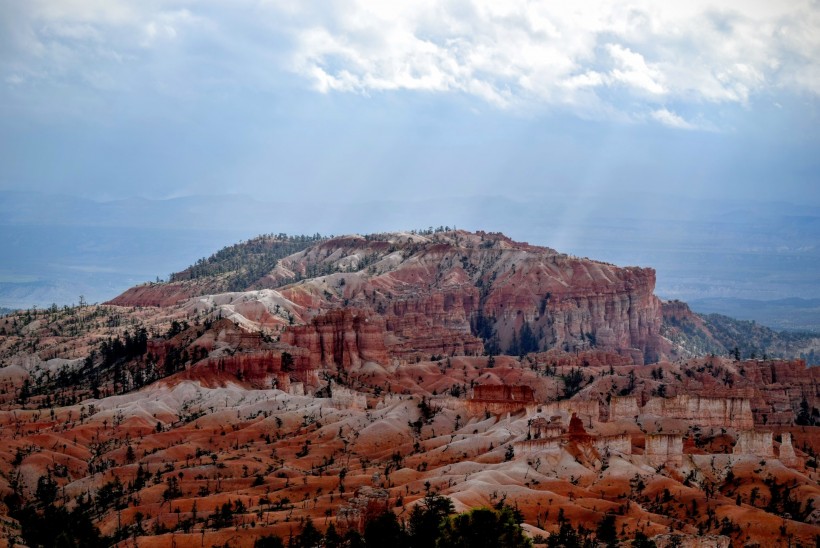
x=340 y=339
x=462 y=280
x=500 y=399
x=541 y=428
x=443 y=293
x=779 y=388
x=252 y=367
x=606 y=445
x=750 y=442
x=344 y=398
x=436 y=323
x=623 y=407
x=787 y=455
x=527 y=448
x=664 y=450
x=587 y=410
x=159 y=294
x=704 y=412
x=576 y=431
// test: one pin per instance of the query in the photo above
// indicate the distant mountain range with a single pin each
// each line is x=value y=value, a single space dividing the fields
x=722 y=335
x=793 y=314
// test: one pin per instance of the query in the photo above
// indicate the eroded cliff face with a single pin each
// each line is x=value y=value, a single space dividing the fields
x=437 y=323
x=575 y=303
x=607 y=445
x=787 y=455
x=452 y=293
x=779 y=388
x=499 y=399
x=623 y=408
x=207 y=410
x=706 y=412
x=438 y=293
x=340 y=339
x=750 y=442
x=664 y=450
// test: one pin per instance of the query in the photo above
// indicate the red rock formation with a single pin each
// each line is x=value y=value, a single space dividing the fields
x=678 y=313
x=613 y=307
x=607 y=445
x=712 y=412
x=537 y=447
x=340 y=339
x=774 y=388
x=787 y=455
x=431 y=291
x=500 y=392
x=542 y=428
x=779 y=387
x=367 y=503
x=584 y=358
x=263 y=368
x=499 y=399
x=159 y=294
x=587 y=410
x=576 y=431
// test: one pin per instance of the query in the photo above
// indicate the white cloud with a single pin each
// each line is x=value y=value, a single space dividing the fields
x=632 y=70
x=592 y=57
x=669 y=118
x=584 y=55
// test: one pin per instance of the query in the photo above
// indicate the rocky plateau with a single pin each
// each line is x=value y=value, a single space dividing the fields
x=344 y=374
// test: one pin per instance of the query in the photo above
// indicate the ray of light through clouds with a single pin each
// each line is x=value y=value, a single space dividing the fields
x=236 y=77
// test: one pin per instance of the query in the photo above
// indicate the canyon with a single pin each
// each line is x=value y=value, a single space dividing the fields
x=355 y=375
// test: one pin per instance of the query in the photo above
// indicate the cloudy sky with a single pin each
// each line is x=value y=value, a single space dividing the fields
x=108 y=99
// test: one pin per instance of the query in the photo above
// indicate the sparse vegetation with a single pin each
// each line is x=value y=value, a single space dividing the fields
x=246 y=262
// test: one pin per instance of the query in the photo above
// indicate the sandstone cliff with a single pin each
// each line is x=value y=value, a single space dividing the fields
x=664 y=449
x=500 y=399
x=457 y=293
x=750 y=442
x=705 y=412
x=340 y=338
